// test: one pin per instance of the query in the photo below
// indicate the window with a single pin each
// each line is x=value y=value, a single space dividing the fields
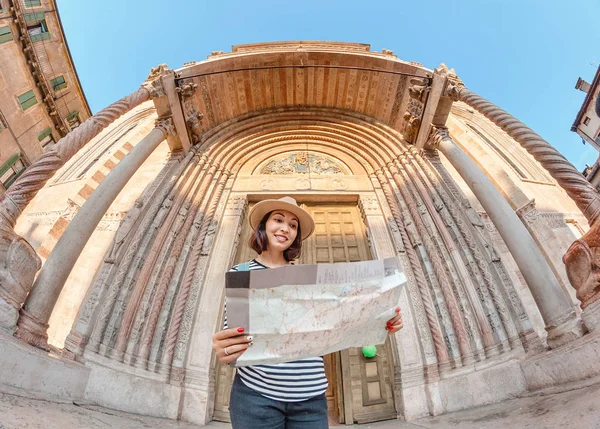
x=11 y=170
x=586 y=121
x=33 y=3
x=73 y=119
x=58 y=83
x=5 y=34
x=36 y=26
x=27 y=100
x=46 y=140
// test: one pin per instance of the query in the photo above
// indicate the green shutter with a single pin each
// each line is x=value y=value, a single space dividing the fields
x=9 y=163
x=5 y=34
x=58 y=83
x=44 y=134
x=32 y=3
x=72 y=115
x=12 y=179
x=38 y=37
x=35 y=16
x=27 y=100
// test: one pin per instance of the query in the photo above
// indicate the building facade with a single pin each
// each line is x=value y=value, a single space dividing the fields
x=136 y=225
x=41 y=99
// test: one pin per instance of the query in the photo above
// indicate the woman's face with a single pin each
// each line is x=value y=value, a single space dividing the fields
x=281 y=229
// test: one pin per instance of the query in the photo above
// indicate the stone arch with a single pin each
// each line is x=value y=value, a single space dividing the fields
x=154 y=321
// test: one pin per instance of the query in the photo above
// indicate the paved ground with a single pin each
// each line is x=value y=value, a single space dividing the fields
x=578 y=409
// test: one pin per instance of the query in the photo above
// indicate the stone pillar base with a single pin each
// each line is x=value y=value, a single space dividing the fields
x=591 y=316
x=562 y=332
x=32 y=330
x=8 y=316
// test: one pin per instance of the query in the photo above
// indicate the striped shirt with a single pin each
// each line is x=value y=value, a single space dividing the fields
x=288 y=382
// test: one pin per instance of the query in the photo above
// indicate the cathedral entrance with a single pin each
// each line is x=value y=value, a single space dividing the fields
x=360 y=389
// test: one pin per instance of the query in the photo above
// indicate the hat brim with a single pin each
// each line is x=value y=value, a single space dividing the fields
x=307 y=224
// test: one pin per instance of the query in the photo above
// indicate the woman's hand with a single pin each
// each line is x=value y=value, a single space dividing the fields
x=230 y=344
x=395 y=323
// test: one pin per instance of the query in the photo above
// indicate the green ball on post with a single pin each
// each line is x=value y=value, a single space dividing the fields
x=369 y=351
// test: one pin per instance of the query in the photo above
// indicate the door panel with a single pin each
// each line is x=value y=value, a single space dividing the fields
x=360 y=389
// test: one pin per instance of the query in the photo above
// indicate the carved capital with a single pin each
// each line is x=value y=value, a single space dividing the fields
x=453 y=83
x=436 y=136
x=153 y=83
x=166 y=125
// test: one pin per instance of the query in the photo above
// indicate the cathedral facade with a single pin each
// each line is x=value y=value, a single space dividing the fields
x=144 y=209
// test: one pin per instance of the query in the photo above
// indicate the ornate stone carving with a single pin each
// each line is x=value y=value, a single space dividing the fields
x=208 y=240
x=301 y=184
x=369 y=205
x=412 y=117
x=411 y=127
x=193 y=119
x=418 y=89
x=153 y=83
x=528 y=212
x=167 y=126
x=236 y=205
x=303 y=163
x=18 y=266
x=582 y=261
x=123 y=232
x=187 y=88
x=267 y=184
x=397 y=237
x=339 y=184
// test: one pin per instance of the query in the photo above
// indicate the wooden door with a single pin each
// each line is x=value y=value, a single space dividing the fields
x=360 y=389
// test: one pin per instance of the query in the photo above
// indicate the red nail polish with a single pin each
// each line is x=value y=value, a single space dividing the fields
x=389 y=323
x=240 y=330
x=398 y=310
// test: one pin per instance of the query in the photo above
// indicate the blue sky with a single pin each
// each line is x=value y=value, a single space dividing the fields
x=524 y=55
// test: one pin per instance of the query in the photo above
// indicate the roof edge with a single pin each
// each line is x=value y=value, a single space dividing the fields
x=64 y=37
x=586 y=101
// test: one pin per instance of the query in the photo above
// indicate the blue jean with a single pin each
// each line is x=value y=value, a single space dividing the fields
x=248 y=409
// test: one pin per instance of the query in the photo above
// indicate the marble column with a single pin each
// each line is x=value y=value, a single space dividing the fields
x=562 y=323
x=33 y=320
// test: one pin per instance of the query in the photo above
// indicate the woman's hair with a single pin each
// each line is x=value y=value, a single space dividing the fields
x=259 y=240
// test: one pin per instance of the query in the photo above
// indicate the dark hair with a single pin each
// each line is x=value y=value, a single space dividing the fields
x=259 y=241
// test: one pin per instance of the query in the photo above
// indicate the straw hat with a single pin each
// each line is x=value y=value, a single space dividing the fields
x=307 y=224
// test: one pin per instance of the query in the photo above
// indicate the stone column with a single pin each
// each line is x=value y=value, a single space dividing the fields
x=580 y=259
x=562 y=324
x=19 y=260
x=33 y=321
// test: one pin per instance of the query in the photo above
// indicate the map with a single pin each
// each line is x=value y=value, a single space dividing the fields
x=300 y=311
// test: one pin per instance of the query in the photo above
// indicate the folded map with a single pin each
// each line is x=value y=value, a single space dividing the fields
x=300 y=311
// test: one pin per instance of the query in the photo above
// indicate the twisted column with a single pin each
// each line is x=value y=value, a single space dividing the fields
x=175 y=337
x=20 y=260
x=562 y=324
x=572 y=181
x=33 y=321
x=428 y=305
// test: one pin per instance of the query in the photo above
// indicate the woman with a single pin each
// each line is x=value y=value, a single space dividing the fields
x=289 y=395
